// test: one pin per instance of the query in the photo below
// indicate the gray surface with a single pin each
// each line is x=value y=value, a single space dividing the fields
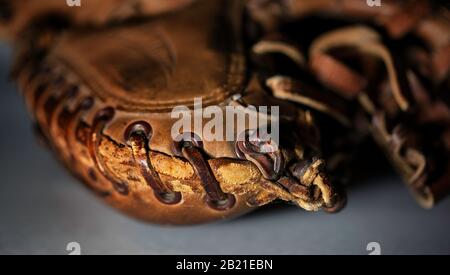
x=42 y=209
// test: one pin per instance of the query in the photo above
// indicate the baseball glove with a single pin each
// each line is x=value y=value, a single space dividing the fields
x=104 y=98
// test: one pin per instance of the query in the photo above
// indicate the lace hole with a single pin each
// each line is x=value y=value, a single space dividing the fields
x=222 y=205
x=186 y=140
x=105 y=114
x=140 y=127
x=169 y=198
x=87 y=103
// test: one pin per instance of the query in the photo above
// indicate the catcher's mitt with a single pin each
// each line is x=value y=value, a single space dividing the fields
x=103 y=99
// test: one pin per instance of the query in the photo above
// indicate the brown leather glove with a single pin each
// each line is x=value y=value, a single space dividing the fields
x=103 y=98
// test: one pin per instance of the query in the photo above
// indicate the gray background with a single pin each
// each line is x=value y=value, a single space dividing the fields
x=42 y=208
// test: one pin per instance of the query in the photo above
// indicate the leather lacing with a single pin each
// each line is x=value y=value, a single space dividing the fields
x=50 y=96
x=305 y=179
x=100 y=121
x=138 y=136
x=190 y=147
